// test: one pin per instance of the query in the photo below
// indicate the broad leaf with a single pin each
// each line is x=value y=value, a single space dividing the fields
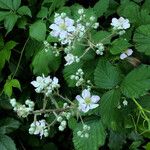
x=106 y=75
x=96 y=138
x=45 y=62
x=142 y=39
x=10 y=4
x=101 y=7
x=38 y=30
x=6 y=143
x=24 y=10
x=137 y=82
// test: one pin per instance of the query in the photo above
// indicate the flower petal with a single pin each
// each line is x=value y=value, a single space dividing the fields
x=92 y=106
x=123 y=56
x=79 y=99
x=86 y=93
x=95 y=98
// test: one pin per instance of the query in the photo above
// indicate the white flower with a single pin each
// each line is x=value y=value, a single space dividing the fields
x=62 y=27
x=39 y=128
x=126 y=54
x=81 y=11
x=86 y=101
x=121 y=23
x=69 y=59
x=125 y=102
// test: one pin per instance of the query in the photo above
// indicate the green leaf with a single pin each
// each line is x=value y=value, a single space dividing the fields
x=106 y=75
x=6 y=143
x=119 y=46
x=10 y=21
x=42 y=13
x=24 y=10
x=137 y=82
x=142 y=39
x=8 y=125
x=16 y=4
x=38 y=30
x=10 y=4
x=109 y=112
x=71 y=70
x=9 y=85
x=101 y=36
x=45 y=62
x=101 y=7
x=96 y=138
x=3 y=14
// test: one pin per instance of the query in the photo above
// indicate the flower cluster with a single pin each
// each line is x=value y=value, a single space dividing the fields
x=22 y=110
x=84 y=132
x=126 y=54
x=120 y=24
x=39 y=128
x=62 y=117
x=70 y=58
x=45 y=85
x=100 y=49
x=87 y=101
x=78 y=77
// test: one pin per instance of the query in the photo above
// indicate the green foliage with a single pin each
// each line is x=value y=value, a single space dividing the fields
x=110 y=114
x=10 y=83
x=6 y=143
x=95 y=140
x=118 y=46
x=45 y=62
x=106 y=75
x=38 y=30
x=142 y=39
x=100 y=7
x=137 y=82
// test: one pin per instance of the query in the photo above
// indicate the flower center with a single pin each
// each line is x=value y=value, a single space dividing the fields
x=63 y=26
x=88 y=100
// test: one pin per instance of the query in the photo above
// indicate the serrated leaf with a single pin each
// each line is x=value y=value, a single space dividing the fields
x=106 y=75
x=10 y=21
x=24 y=10
x=10 y=4
x=96 y=138
x=142 y=39
x=101 y=36
x=16 y=4
x=6 y=143
x=9 y=86
x=45 y=62
x=101 y=7
x=137 y=82
x=38 y=30
x=119 y=46
x=71 y=70
x=108 y=109
x=8 y=125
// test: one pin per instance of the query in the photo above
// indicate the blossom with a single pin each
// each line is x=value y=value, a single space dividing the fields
x=69 y=59
x=62 y=27
x=120 y=23
x=126 y=54
x=87 y=101
x=39 y=128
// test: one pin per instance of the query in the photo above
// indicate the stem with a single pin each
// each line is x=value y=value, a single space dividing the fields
x=44 y=102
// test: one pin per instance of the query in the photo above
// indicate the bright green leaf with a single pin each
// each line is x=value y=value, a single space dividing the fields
x=96 y=138
x=137 y=82
x=42 y=13
x=24 y=10
x=106 y=75
x=38 y=30
x=142 y=39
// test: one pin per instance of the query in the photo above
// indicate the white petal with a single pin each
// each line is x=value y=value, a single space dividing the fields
x=79 y=99
x=63 y=34
x=69 y=22
x=85 y=108
x=129 y=52
x=58 y=20
x=114 y=22
x=54 y=27
x=71 y=29
x=55 y=80
x=35 y=84
x=86 y=94
x=123 y=56
x=95 y=98
x=54 y=33
x=92 y=106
